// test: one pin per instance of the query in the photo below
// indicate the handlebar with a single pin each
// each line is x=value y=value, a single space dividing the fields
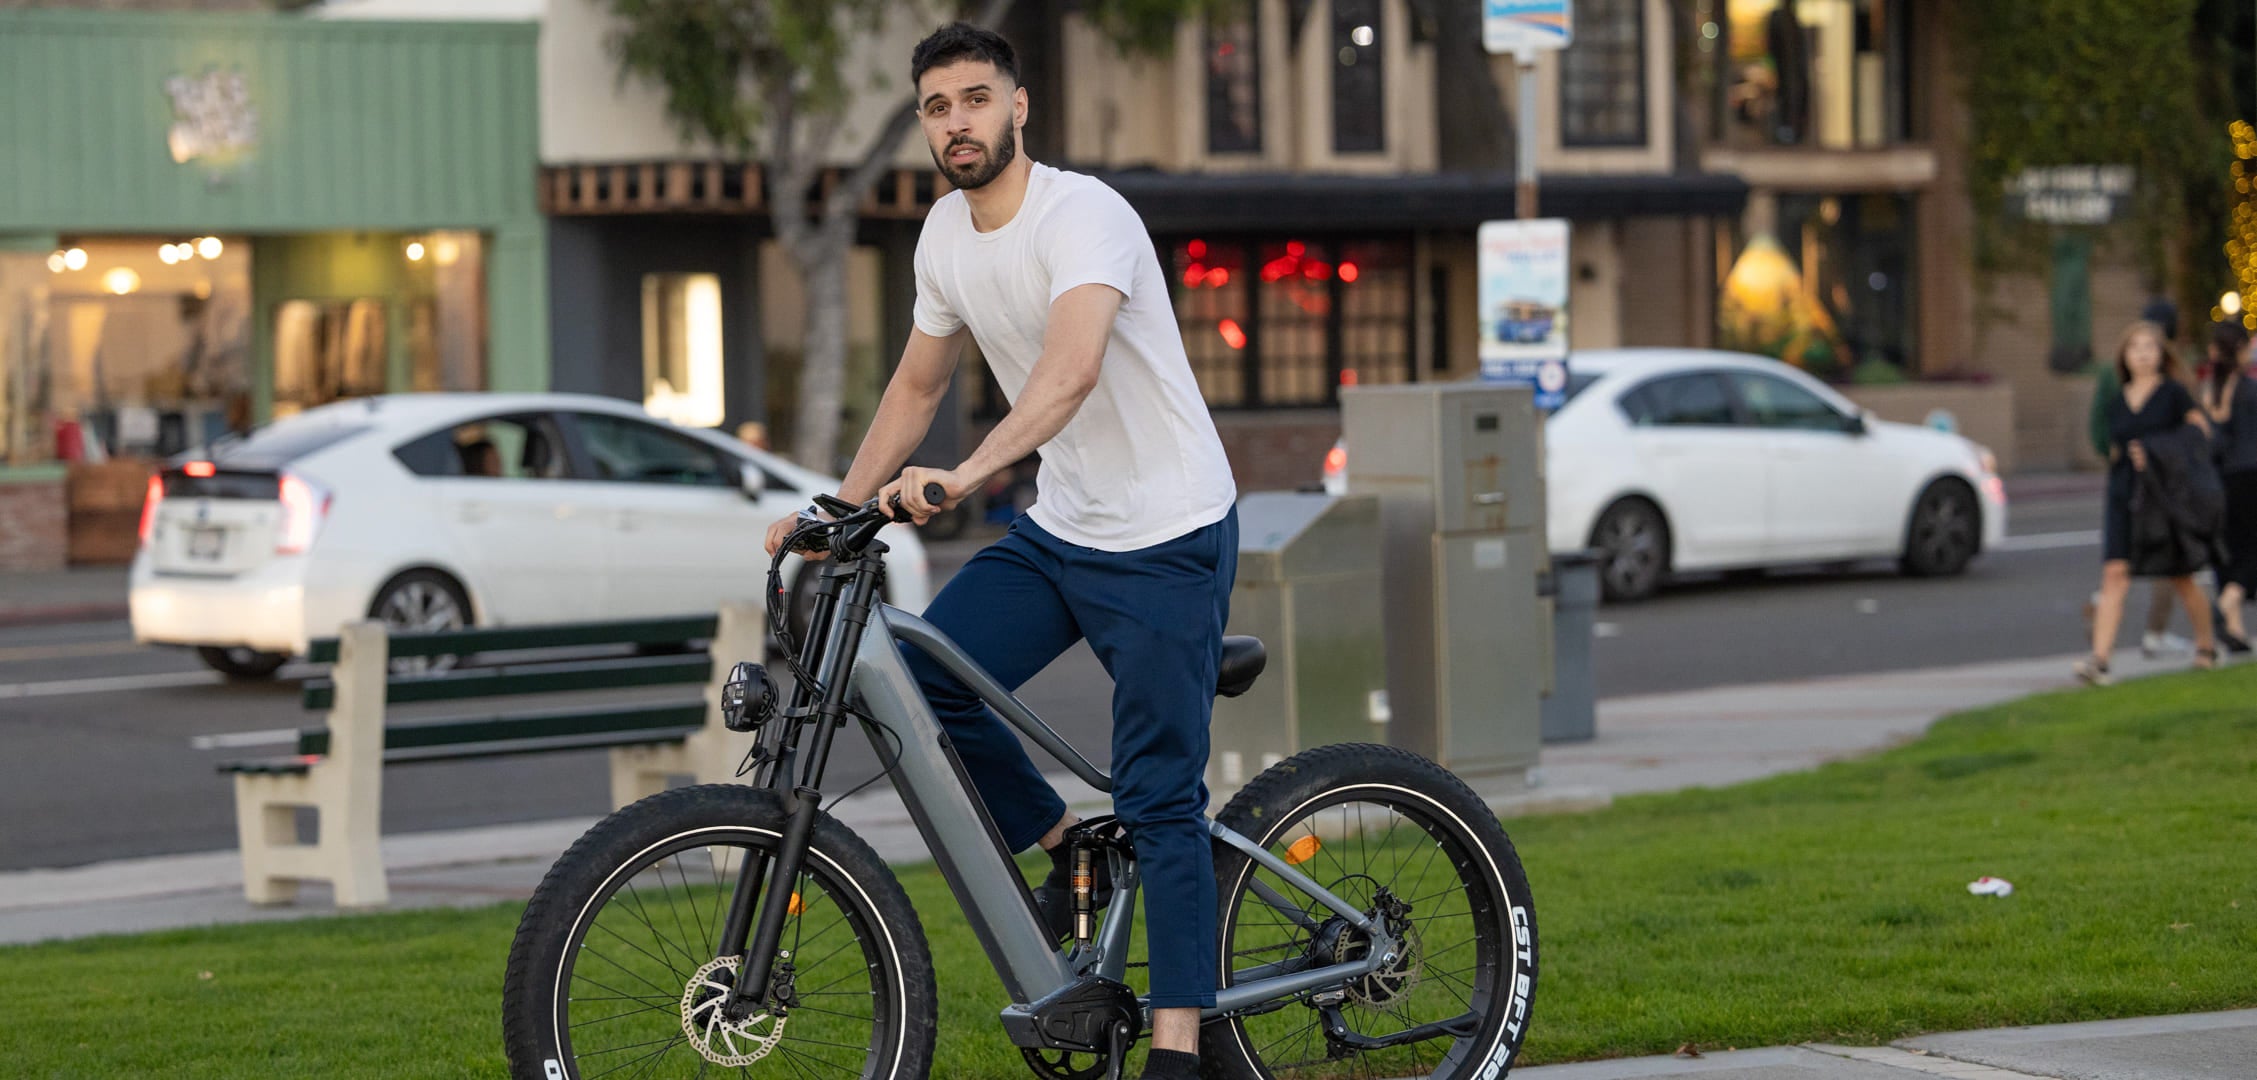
x=855 y=525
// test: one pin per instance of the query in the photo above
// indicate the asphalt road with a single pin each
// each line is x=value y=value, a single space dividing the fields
x=97 y=732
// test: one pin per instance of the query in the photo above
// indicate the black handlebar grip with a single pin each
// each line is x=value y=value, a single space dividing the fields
x=935 y=494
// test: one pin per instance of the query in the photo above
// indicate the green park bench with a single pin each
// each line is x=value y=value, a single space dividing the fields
x=336 y=768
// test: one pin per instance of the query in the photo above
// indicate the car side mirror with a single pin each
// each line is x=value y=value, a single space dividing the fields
x=1855 y=425
x=750 y=481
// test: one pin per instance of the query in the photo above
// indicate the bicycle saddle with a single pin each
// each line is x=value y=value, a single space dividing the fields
x=1243 y=660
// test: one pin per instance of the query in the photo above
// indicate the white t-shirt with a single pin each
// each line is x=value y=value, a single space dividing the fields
x=1139 y=463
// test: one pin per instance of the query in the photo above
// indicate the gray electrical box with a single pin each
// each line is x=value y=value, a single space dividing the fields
x=1309 y=586
x=1458 y=470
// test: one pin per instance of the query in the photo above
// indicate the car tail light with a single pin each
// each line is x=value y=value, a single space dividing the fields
x=304 y=506
x=1336 y=461
x=200 y=469
x=149 y=507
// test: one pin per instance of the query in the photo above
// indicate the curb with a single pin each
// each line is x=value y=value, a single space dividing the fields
x=62 y=613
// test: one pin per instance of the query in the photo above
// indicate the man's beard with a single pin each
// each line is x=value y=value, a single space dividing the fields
x=980 y=172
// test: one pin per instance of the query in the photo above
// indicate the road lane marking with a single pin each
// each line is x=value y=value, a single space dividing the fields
x=109 y=684
x=232 y=739
x=2050 y=541
x=68 y=652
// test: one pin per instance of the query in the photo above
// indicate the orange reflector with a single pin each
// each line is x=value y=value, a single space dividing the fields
x=1303 y=850
x=795 y=907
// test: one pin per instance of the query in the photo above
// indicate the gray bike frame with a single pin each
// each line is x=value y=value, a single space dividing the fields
x=979 y=869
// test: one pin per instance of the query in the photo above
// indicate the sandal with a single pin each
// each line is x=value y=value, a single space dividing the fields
x=2093 y=671
x=2234 y=643
x=2205 y=659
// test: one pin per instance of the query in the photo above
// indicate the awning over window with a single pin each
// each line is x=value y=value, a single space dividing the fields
x=1200 y=201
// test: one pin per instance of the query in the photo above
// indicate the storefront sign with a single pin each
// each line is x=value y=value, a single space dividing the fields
x=2070 y=194
x=212 y=117
x=1519 y=26
x=1523 y=305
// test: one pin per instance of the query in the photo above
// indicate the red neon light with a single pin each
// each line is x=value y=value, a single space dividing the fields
x=1197 y=249
x=1295 y=248
x=1217 y=278
x=1348 y=271
x=1232 y=335
x=1193 y=274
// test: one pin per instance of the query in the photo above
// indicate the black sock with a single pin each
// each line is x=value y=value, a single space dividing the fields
x=1171 y=1065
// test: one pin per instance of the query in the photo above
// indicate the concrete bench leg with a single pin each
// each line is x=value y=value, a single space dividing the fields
x=263 y=827
x=344 y=788
x=639 y=772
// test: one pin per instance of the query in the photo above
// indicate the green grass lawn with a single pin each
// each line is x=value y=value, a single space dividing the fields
x=1825 y=906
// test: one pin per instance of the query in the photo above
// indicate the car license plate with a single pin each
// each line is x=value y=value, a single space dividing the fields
x=206 y=544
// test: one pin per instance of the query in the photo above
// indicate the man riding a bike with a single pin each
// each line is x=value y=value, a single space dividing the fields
x=1132 y=543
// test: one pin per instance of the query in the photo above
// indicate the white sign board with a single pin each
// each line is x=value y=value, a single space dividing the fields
x=2070 y=194
x=1523 y=305
x=1522 y=26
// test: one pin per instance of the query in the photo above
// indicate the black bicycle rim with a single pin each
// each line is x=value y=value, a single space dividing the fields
x=653 y=925
x=1368 y=837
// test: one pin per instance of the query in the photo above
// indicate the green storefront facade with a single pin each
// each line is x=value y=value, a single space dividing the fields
x=207 y=221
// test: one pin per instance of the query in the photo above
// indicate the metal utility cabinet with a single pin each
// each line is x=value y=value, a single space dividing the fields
x=1458 y=470
x=1308 y=585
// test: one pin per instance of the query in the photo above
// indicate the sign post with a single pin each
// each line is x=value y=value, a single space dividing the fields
x=1522 y=27
x=1523 y=306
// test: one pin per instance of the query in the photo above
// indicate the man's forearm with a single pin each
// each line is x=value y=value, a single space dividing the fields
x=1041 y=412
x=904 y=415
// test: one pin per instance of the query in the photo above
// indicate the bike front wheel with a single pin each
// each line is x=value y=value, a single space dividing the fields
x=1409 y=845
x=618 y=969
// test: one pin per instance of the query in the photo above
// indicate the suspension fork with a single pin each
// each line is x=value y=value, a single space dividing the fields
x=757 y=960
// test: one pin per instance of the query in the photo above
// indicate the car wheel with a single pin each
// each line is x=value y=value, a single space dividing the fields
x=1633 y=545
x=238 y=663
x=1944 y=533
x=421 y=601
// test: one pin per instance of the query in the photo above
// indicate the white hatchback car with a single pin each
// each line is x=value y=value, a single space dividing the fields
x=440 y=511
x=1685 y=460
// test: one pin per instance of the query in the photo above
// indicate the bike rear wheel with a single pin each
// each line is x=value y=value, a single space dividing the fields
x=614 y=970
x=1406 y=842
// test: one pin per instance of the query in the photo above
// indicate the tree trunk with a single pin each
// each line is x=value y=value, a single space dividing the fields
x=822 y=262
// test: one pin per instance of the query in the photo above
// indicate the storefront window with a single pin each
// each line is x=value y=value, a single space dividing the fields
x=1375 y=312
x=682 y=348
x=1824 y=73
x=117 y=347
x=1234 y=85
x=325 y=350
x=1832 y=291
x=447 y=329
x=1209 y=283
x=1286 y=321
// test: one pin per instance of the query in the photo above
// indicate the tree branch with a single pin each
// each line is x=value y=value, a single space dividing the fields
x=879 y=152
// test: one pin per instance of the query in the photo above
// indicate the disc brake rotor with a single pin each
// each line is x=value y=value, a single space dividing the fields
x=720 y=1040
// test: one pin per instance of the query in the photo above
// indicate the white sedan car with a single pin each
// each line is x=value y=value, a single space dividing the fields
x=441 y=511
x=1685 y=460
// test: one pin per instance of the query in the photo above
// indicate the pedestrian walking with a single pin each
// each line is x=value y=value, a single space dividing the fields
x=2157 y=638
x=2229 y=399
x=2151 y=406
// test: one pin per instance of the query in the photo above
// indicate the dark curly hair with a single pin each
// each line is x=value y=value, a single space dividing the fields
x=962 y=41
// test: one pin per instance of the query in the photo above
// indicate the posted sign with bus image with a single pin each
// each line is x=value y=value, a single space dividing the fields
x=1523 y=306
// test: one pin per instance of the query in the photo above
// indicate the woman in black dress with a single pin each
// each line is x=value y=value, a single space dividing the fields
x=2230 y=400
x=2152 y=402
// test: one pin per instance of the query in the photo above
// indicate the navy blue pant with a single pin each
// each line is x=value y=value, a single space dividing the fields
x=1154 y=617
